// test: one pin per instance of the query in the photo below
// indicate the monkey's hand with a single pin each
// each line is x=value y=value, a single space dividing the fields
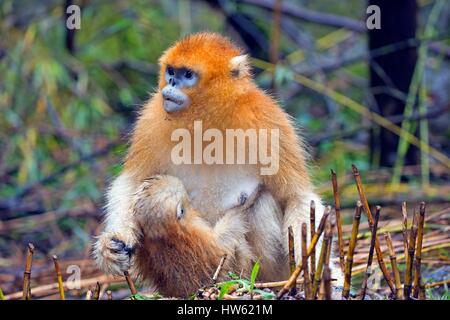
x=113 y=253
x=246 y=200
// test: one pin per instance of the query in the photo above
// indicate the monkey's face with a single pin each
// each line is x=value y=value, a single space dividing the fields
x=177 y=79
x=201 y=71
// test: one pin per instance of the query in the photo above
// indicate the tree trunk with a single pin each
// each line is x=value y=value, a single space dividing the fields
x=391 y=72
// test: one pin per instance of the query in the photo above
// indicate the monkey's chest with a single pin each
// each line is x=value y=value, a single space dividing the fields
x=215 y=189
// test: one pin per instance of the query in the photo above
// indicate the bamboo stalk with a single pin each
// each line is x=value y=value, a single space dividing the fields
x=365 y=203
x=393 y=257
x=306 y=275
x=326 y=281
x=291 y=250
x=219 y=268
x=293 y=278
x=2 y=296
x=337 y=206
x=27 y=273
x=405 y=228
x=96 y=294
x=312 y=228
x=130 y=283
x=418 y=258
x=322 y=258
x=59 y=277
x=371 y=249
x=410 y=258
x=422 y=294
x=351 y=250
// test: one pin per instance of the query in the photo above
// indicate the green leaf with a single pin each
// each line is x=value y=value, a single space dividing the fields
x=254 y=274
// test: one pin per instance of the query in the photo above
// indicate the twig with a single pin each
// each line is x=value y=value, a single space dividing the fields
x=293 y=278
x=263 y=285
x=418 y=258
x=219 y=268
x=437 y=284
x=301 y=13
x=54 y=286
x=291 y=256
x=405 y=228
x=312 y=228
x=130 y=283
x=410 y=258
x=337 y=205
x=370 y=257
x=59 y=277
x=365 y=203
x=393 y=257
x=306 y=275
x=351 y=250
x=322 y=258
x=27 y=273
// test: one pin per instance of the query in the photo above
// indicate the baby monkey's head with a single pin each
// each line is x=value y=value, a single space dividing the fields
x=161 y=202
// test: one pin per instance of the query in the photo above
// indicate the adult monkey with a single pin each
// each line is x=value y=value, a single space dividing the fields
x=205 y=77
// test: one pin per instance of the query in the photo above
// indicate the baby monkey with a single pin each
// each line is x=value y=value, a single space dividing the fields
x=178 y=251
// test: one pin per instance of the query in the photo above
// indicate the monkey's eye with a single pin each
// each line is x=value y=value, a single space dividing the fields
x=170 y=71
x=188 y=74
x=180 y=211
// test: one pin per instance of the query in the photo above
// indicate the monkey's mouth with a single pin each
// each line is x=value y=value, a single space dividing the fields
x=172 y=104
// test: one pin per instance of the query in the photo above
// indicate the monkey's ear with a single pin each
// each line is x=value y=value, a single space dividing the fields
x=240 y=66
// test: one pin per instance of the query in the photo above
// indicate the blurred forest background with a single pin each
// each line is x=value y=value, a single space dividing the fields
x=377 y=98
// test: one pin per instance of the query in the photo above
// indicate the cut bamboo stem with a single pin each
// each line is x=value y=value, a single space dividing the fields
x=109 y=294
x=27 y=273
x=393 y=257
x=59 y=277
x=371 y=249
x=410 y=258
x=219 y=268
x=337 y=205
x=306 y=275
x=326 y=281
x=351 y=250
x=405 y=228
x=96 y=294
x=130 y=283
x=293 y=278
x=365 y=203
x=312 y=229
x=418 y=258
x=322 y=259
x=291 y=249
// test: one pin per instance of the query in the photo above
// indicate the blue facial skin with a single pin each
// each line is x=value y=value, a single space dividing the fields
x=177 y=79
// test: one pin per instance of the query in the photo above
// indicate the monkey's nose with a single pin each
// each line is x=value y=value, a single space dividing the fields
x=173 y=82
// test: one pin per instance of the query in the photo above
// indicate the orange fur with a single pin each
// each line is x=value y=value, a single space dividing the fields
x=222 y=99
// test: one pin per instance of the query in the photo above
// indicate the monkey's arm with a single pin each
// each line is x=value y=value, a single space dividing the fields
x=113 y=248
